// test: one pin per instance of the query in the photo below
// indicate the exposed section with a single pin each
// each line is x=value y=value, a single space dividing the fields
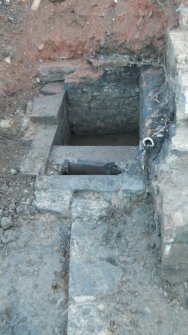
x=109 y=105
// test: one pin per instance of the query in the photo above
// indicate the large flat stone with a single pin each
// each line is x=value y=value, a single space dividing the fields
x=91 y=275
x=180 y=140
x=35 y=161
x=177 y=51
x=127 y=158
x=122 y=183
x=52 y=88
x=47 y=109
x=93 y=154
x=53 y=202
x=177 y=68
x=56 y=71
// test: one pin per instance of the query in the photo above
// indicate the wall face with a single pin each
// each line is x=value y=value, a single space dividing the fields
x=107 y=105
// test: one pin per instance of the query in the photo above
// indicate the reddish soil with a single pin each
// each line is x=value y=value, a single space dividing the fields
x=74 y=29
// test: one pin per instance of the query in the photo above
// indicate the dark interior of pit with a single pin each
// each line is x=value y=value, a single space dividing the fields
x=127 y=139
x=103 y=111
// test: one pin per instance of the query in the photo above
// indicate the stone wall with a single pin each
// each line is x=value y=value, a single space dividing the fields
x=169 y=172
x=107 y=105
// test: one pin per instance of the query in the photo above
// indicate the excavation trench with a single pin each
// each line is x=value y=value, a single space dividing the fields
x=95 y=179
x=103 y=121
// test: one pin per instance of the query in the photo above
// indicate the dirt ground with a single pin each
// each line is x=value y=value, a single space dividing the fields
x=74 y=29
x=61 y=30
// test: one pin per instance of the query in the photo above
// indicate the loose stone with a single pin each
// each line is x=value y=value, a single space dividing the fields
x=6 y=223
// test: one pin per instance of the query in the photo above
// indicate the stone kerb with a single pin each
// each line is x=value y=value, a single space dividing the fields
x=183 y=15
x=172 y=175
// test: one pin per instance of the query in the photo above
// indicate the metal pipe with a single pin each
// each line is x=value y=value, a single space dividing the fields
x=148 y=142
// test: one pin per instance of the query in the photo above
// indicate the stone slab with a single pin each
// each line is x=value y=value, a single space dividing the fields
x=183 y=16
x=177 y=69
x=56 y=71
x=121 y=182
x=177 y=50
x=47 y=109
x=91 y=276
x=53 y=202
x=180 y=140
x=52 y=88
x=127 y=158
x=35 y=161
x=93 y=154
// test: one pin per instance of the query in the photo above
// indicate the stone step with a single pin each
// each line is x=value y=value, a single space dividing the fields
x=54 y=193
x=126 y=158
x=48 y=109
x=35 y=161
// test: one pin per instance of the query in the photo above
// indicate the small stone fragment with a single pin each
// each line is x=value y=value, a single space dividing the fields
x=13 y=172
x=8 y=60
x=6 y=223
x=19 y=210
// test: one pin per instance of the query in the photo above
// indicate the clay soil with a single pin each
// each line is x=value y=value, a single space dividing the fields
x=74 y=29
x=70 y=29
x=60 y=30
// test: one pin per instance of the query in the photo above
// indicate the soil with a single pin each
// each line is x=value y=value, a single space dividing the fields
x=74 y=29
x=59 y=30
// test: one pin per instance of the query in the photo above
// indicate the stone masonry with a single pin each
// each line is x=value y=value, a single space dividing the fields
x=170 y=175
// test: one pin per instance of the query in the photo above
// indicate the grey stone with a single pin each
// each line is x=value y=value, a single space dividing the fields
x=53 y=201
x=52 y=88
x=13 y=172
x=47 y=109
x=55 y=71
x=35 y=161
x=19 y=209
x=100 y=155
x=175 y=254
x=123 y=183
x=6 y=223
x=1 y=232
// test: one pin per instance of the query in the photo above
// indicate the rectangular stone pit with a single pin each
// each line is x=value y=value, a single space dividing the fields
x=101 y=115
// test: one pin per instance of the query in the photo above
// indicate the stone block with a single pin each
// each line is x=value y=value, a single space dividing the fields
x=35 y=161
x=56 y=71
x=183 y=16
x=47 y=109
x=175 y=254
x=91 y=276
x=52 y=88
x=123 y=183
x=177 y=51
x=53 y=202
x=127 y=158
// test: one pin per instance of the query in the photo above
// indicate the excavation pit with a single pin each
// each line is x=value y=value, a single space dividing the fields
x=102 y=112
x=98 y=131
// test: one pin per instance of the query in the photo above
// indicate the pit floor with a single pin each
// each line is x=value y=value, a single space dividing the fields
x=127 y=139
